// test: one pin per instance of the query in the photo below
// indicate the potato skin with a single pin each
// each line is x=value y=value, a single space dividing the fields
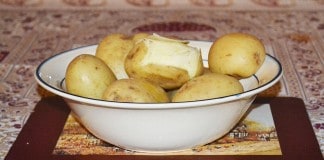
x=138 y=36
x=236 y=54
x=88 y=76
x=135 y=90
x=113 y=50
x=209 y=85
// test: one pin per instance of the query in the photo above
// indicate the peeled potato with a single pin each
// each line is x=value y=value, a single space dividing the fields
x=113 y=50
x=236 y=54
x=139 y=36
x=210 y=85
x=88 y=76
x=168 y=62
x=135 y=90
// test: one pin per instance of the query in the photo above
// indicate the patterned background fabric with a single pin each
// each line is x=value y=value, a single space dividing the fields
x=33 y=30
x=165 y=4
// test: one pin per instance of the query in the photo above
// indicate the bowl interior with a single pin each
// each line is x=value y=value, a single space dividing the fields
x=51 y=72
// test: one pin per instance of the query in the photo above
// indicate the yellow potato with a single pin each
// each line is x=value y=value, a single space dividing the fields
x=88 y=76
x=236 y=54
x=168 y=62
x=138 y=36
x=113 y=50
x=135 y=90
x=209 y=85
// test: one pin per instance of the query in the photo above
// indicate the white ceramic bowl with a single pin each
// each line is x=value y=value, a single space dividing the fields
x=157 y=127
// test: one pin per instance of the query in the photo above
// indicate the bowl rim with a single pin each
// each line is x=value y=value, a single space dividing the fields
x=168 y=105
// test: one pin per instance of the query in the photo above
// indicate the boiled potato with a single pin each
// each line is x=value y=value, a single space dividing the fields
x=88 y=76
x=135 y=90
x=236 y=54
x=168 y=62
x=113 y=50
x=139 y=36
x=209 y=85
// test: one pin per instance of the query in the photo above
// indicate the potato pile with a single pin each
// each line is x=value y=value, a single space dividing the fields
x=154 y=69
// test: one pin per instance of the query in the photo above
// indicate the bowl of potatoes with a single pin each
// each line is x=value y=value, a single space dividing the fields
x=150 y=93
